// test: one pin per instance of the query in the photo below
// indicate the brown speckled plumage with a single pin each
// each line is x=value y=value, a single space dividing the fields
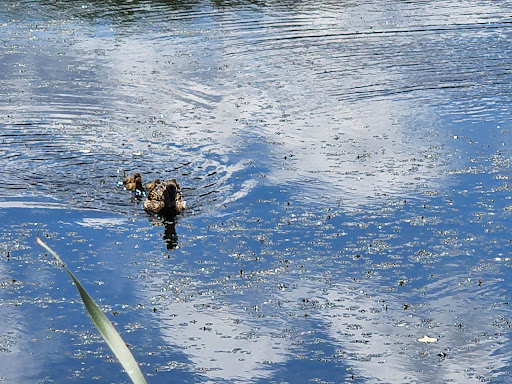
x=165 y=199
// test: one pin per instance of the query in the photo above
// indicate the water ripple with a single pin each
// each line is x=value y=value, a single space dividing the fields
x=346 y=167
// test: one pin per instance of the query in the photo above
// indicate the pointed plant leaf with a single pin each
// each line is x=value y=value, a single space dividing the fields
x=107 y=330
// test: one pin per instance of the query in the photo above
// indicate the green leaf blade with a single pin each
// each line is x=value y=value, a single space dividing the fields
x=104 y=326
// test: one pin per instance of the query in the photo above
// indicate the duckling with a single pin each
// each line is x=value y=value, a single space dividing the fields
x=136 y=186
x=132 y=179
x=134 y=183
x=152 y=185
x=165 y=199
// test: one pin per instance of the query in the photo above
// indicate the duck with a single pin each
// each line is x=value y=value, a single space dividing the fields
x=134 y=183
x=165 y=199
x=135 y=186
x=132 y=179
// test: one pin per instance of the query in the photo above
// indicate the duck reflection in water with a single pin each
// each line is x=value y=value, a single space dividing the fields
x=170 y=236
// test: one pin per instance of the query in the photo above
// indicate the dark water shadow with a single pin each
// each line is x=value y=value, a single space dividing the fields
x=170 y=236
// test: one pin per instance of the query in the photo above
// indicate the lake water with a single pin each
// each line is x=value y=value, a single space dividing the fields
x=346 y=167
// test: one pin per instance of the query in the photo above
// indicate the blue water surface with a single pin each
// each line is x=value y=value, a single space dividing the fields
x=346 y=167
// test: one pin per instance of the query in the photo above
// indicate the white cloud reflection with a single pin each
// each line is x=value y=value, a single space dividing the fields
x=382 y=344
x=348 y=92
x=15 y=360
x=349 y=120
x=222 y=343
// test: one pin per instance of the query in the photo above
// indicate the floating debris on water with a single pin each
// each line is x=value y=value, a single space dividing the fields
x=427 y=339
